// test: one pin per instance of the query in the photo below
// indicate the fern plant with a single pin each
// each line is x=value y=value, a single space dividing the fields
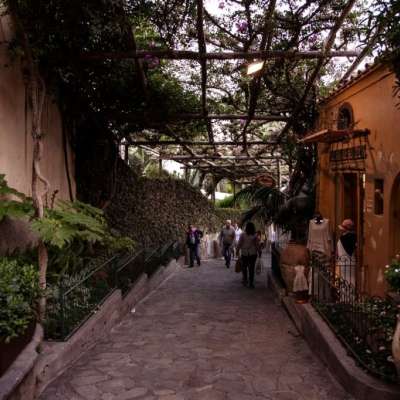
x=69 y=230
x=13 y=203
x=70 y=221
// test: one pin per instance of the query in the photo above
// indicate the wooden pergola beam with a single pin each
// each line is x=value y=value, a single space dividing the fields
x=196 y=143
x=234 y=55
x=256 y=82
x=214 y=157
x=197 y=116
x=203 y=66
x=234 y=166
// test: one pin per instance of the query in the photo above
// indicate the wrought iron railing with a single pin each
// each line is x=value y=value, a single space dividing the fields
x=75 y=299
x=364 y=324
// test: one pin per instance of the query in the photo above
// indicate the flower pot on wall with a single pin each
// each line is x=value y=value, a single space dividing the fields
x=294 y=254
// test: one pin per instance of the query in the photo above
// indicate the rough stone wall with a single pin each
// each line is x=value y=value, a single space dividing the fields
x=155 y=211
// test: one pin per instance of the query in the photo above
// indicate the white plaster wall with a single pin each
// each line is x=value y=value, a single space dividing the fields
x=15 y=139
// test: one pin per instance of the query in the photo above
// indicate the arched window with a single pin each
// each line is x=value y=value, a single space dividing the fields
x=345 y=117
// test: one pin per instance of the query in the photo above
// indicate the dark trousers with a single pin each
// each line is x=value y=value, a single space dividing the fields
x=227 y=253
x=248 y=263
x=194 y=254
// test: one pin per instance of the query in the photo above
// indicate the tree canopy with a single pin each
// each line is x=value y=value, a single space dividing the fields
x=142 y=98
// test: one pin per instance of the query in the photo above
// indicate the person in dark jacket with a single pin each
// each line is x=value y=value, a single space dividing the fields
x=193 y=238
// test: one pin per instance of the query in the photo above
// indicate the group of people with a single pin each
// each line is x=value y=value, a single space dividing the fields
x=245 y=245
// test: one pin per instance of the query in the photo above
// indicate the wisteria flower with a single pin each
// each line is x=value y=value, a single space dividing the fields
x=151 y=61
x=242 y=26
x=221 y=5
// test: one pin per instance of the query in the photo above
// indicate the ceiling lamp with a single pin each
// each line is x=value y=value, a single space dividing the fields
x=254 y=67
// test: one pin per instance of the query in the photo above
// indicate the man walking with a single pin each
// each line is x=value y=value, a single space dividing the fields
x=193 y=238
x=227 y=239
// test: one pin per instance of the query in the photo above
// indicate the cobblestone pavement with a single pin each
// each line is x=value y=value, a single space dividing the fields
x=201 y=335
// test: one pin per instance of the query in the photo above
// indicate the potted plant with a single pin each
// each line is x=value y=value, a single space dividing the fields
x=392 y=275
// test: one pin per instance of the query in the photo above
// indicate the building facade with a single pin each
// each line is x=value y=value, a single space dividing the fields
x=358 y=141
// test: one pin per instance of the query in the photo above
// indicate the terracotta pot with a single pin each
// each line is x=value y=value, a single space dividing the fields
x=294 y=254
x=396 y=347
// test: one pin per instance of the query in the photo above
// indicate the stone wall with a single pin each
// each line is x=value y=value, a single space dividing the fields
x=155 y=211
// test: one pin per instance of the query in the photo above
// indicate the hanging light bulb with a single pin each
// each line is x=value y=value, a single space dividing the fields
x=254 y=67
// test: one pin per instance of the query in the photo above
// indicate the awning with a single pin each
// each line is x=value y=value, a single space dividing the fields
x=331 y=136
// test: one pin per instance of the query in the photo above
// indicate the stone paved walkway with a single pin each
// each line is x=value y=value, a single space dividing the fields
x=201 y=335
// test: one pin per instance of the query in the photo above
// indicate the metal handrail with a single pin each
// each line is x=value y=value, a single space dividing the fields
x=91 y=273
x=120 y=271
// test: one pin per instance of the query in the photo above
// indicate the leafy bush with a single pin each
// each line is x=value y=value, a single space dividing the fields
x=392 y=274
x=19 y=291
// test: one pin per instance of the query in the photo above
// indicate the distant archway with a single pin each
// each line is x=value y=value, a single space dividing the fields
x=395 y=218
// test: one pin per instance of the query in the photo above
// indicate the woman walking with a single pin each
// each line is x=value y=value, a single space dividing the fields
x=249 y=246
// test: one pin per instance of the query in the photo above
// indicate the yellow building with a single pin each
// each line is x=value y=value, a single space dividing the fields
x=358 y=140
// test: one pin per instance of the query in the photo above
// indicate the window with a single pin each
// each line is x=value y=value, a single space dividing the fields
x=378 y=194
x=345 y=117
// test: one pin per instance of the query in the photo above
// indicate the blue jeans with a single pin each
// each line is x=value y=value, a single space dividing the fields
x=227 y=253
x=194 y=254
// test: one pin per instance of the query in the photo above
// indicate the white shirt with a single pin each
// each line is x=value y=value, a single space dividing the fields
x=238 y=232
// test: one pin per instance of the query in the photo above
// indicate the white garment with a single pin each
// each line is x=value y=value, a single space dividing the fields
x=319 y=237
x=238 y=232
x=300 y=282
x=345 y=264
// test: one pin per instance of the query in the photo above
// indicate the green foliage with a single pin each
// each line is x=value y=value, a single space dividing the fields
x=266 y=202
x=367 y=327
x=70 y=221
x=19 y=291
x=18 y=208
x=392 y=274
x=227 y=202
x=76 y=221
x=70 y=231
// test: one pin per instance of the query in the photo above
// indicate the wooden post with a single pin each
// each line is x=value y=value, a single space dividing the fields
x=234 y=194
x=213 y=190
x=278 y=172
x=160 y=166
x=126 y=153
x=186 y=175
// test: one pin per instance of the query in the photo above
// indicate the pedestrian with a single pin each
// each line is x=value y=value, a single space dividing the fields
x=193 y=239
x=238 y=232
x=249 y=245
x=259 y=237
x=227 y=240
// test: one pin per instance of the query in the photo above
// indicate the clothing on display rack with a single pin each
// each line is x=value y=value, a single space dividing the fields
x=319 y=236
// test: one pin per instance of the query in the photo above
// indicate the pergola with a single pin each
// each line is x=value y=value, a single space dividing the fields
x=243 y=158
